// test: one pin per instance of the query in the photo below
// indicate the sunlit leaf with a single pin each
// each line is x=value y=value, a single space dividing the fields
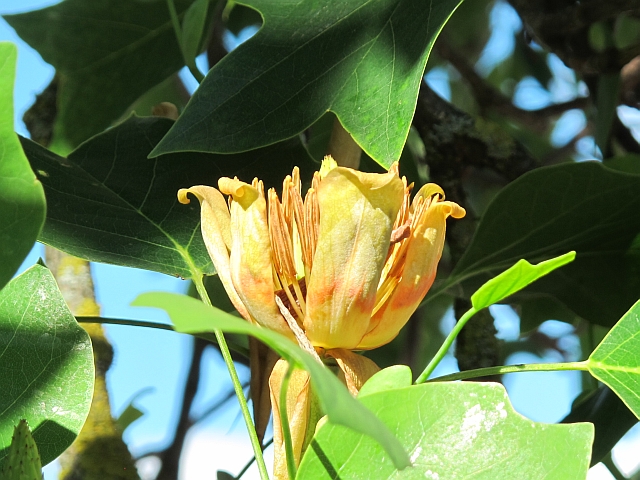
x=390 y=378
x=46 y=364
x=616 y=361
x=192 y=316
x=361 y=59
x=22 y=203
x=516 y=278
x=452 y=430
x=109 y=203
x=106 y=53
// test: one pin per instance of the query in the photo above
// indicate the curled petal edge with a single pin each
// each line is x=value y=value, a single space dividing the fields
x=421 y=262
x=215 y=222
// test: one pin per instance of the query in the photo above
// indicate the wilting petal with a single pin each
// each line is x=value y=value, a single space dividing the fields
x=423 y=254
x=357 y=211
x=302 y=412
x=250 y=261
x=216 y=232
x=355 y=369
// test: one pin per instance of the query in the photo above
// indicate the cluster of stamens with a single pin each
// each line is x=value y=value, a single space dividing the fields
x=293 y=231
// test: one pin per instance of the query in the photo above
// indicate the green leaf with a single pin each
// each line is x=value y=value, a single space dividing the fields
x=516 y=278
x=607 y=101
x=626 y=32
x=221 y=475
x=361 y=59
x=131 y=413
x=584 y=207
x=536 y=310
x=23 y=460
x=46 y=363
x=627 y=163
x=453 y=430
x=192 y=316
x=615 y=362
x=192 y=29
x=240 y=17
x=106 y=53
x=390 y=378
x=109 y=203
x=608 y=414
x=22 y=203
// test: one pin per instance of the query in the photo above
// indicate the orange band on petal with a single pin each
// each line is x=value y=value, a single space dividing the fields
x=423 y=250
x=357 y=213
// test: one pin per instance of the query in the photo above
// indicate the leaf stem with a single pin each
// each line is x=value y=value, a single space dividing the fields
x=175 y=21
x=446 y=345
x=237 y=386
x=527 y=367
x=284 y=424
x=125 y=321
x=240 y=349
x=250 y=462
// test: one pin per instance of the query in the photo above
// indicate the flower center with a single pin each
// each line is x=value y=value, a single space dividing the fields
x=293 y=230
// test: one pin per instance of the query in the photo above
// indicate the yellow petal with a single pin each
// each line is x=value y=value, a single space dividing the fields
x=250 y=261
x=423 y=254
x=302 y=413
x=355 y=369
x=357 y=212
x=216 y=232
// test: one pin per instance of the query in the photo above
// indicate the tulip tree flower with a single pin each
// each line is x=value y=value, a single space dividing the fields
x=341 y=270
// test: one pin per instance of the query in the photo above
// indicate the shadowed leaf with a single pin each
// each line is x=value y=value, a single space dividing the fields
x=107 y=54
x=109 y=203
x=46 y=364
x=361 y=59
x=584 y=207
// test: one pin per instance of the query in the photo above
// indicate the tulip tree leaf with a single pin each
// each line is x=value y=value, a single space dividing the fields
x=192 y=316
x=106 y=53
x=22 y=203
x=46 y=364
x=23 y=460
x=616 y=362
x=585 y=207
x=193 y=26
x=131 y=413
x=452 y=430
x=516 y=278
x=361 y=59
x=109 y=203
x=609 y=415
x=396 y=376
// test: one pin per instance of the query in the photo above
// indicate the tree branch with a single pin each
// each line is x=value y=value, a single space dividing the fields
x=170 y=457
x=563 y=27
x=490 y=98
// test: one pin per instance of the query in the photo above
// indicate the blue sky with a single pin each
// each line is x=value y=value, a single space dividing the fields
x=155 y=361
